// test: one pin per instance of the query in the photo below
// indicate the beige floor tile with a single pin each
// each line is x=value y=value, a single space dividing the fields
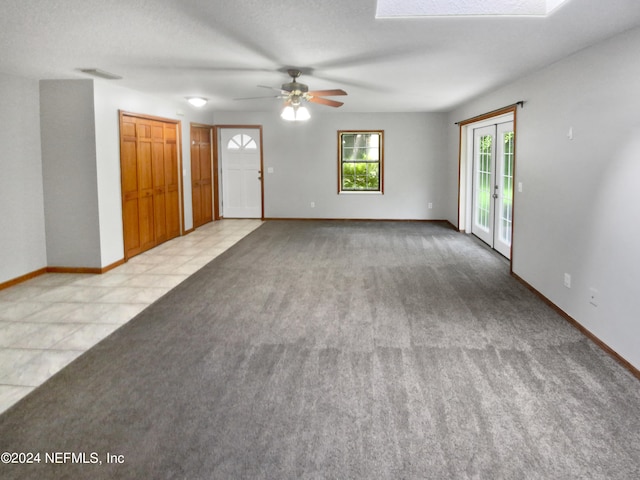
x=53 y=312
x=12 y=359
x=22 y=293
x=38 y=336
x=85 y=337
x=164 y=281
x=13 y=311
x=161 y=259
x=184 y=269
x=201 y=261
x=108 y=279
x=133 y=295
x=39 y=368
x=179 y=250
x=132 y=268
x=12 y=332
x=107 y=313
x=10 y=394
x=73 y=293
x=57 y=279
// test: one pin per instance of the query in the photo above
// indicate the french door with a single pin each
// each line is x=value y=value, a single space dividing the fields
x=493 y=159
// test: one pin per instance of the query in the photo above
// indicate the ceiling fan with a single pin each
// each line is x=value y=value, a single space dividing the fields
x=295 y=93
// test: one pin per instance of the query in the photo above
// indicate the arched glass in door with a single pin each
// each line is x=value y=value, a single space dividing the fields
x=242 y=141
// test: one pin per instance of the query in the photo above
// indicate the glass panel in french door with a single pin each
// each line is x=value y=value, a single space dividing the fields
x=504 y=188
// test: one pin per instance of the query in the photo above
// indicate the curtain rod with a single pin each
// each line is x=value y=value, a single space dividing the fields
x=491 y=113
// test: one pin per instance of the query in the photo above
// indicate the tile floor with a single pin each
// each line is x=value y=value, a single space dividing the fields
x=48 y=321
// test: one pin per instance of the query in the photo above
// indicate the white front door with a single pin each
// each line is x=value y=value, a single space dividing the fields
x=493 y=149
x=241 y=161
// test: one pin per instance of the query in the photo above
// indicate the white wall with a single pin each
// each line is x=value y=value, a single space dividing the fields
x=75 y=176
x=69 y=173
x=304 y=161
x=579 y=211
x=109 y=99
x=22 y=233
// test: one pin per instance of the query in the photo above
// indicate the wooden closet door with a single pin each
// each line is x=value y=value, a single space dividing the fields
x=150 y=182
x=145 y=185
x=201 y=175
x=129 y=181
x=159 y=182
x=172 y=180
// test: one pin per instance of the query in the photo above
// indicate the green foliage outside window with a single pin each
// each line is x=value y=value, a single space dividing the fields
x=360 y=176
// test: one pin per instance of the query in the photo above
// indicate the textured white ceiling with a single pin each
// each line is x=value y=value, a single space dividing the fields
x=224 y=49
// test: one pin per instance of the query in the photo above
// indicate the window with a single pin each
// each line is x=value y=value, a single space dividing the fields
x=242 y=141
x=360 y=161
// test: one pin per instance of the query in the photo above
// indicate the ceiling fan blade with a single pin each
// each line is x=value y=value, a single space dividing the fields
x=270 y=88
x=254 y=98
x=327 y=93
x=324 y=101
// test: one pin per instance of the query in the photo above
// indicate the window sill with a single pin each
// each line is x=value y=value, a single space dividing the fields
x=364 y=192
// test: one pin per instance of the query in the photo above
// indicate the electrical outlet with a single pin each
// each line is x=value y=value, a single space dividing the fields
x=593 y=296
x=313 y=204
x=430 y=205
x=567 y=280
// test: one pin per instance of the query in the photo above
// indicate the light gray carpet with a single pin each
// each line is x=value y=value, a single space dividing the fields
x=342 y=350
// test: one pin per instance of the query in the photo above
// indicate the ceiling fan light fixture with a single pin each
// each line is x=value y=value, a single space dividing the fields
x=295 y=113
x=303 y=114
x=197 y=101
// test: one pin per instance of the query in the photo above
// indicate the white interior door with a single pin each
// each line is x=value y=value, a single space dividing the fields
x=241 y=163
x=493 y=157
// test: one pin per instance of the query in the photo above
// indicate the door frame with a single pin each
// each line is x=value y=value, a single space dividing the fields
x=465 y=165
x=218 y=165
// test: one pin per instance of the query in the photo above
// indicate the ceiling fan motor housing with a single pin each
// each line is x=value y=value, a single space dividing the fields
x=295 y=87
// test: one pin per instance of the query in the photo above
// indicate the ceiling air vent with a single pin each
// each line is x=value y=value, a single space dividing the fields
x=96 y=72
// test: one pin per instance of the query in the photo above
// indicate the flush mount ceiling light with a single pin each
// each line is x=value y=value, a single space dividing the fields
x=438 y=8
x=197 y=101
x=96 y=72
